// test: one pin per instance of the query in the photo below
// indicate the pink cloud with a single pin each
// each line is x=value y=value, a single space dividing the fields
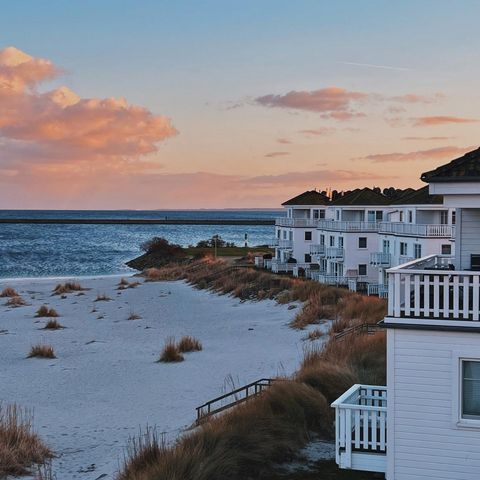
x=276 y=154
x=60 y=125
x=284 y=141
x=431 y=154
x=415 y=98
x=317 y=131
x=427 y=138
x=332 y=102
x=440 y=120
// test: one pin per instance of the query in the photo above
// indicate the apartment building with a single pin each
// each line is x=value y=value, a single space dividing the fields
x=425 y=423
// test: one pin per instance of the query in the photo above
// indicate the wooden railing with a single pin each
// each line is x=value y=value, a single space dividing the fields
x=230 y=399
x=348 y=226
x=417 y=230
x=361 y=426
x=362 y=329
x=429 y=288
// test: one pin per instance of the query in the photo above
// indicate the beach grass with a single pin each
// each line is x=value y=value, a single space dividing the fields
x=45 y=311
x=41 y=351
x=189 y=344
x=170 y=352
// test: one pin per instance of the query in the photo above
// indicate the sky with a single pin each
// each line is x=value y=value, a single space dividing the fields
x=139 y=104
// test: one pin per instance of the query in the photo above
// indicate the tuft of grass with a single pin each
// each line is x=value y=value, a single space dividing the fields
x=9 y=292
x=53 y=324
x=102 y=298
x=134 y=316
x=15 y=302
x=20 y=447
x=314 y=335
x=44 y=311
x=124 y=283
x=41 y=351
x=189 y=344
x=68 y=287
x=170 y=352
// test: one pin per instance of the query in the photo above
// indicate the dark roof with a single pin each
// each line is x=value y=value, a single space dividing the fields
x=419 y=197
x=362 y=196
x=310 y=197
x=463 y=169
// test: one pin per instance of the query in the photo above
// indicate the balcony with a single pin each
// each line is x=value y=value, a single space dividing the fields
x=417 y=230
x=329 y=279
x=380 y=259
x=430 y=290
x=340 y=226
x=361 y=428
x=282 y=267
x=317 y=249
x=296 y=222
x=377 y=289
x=334 y=253
x=315 y=274
x=297 y=267
x=281 y=243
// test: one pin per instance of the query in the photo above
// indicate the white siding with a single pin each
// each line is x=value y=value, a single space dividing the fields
x=424 y=441
x=469 y=233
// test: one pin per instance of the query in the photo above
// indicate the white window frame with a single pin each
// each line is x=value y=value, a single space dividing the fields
x=457 y=381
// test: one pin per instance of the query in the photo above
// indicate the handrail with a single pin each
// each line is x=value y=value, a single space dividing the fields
x=348 y=226
x=258 y=386
x=417 y=229
x=368 y=328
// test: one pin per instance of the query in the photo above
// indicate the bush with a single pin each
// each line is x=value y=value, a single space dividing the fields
x=44 y=311
x=215 y=240
x=53 y=325
x=102 y=298
x=9 y=292
x=170 y=352
x=162 y=247
x=133 y=316
x=68 y=287
x=42 y=351
x=20 y=447
x=189 y=344
x=15 y=302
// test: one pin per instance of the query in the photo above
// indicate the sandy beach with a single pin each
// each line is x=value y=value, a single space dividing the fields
x=106 y=383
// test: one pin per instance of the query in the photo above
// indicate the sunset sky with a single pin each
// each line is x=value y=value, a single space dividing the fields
x=212 y=104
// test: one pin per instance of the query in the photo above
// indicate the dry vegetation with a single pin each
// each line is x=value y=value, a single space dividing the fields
x=124 y=284
x=314 y=335
x=189 y=344
x=68 y=287
x=42 y=351
x=170 y=352
x=102 y=298
x=9 y=292
x=15 y=301
x=134 y=316
x=44 y=311
x=20 y=447
x=53 y=324
x=245 y=441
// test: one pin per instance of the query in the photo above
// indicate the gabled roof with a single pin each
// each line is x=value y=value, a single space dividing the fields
x=310 y=197
x=419 y=197
x=362 y=196
x=463 y=169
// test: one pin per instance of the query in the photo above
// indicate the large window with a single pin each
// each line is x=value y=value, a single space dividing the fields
x=444 y=217
x=446 y=249
x=308 y=236
x=403 y=248
x=308 y=258
x=417 y=250
x=362 y=269
x=332 y=241
x=470 y=389
x=362 y=242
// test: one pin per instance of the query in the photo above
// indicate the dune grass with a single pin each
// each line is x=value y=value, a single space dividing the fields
x=102 y=297
x=134 y=316
x=20 y=447
x=9 y=292
x=170 y=352
x=124 y=284
x=16 y=301
x=68 y=287
x=45 y=311
x=41 y=351
x=189 y=344
x=53 y=324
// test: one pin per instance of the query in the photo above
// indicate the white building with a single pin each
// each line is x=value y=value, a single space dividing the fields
x=425 y=424
x=295 y=232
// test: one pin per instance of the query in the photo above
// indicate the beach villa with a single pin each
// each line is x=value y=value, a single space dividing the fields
x=425 y=423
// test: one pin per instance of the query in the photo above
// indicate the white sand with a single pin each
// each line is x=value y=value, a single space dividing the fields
x=105 y=383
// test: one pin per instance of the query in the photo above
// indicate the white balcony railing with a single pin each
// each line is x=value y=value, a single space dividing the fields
x=361 y=428
x=317 y=249
x=334 y=279
x=282 y=267
x=334 y=252
x=430 y=288
x=418 y=230
x=380 y=259
x=315 y=274
x=377 y=289
x=296 y=222
x=405 y=259
x=280 y=243
x=297 y=267
x=347 y=226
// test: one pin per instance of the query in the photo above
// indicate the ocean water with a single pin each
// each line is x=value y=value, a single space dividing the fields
x=81 y=250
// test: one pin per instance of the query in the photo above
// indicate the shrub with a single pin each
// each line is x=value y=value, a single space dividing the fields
x=42 y=351
x=9 y=292
x=170 y=352
x=102 y=298
x=15 y=302
x=20 y=446
x=189 y=344
x=162 y=247
x=68 y=287
x=124 y=283
x=133 y=316
x=44 y=311
x=53 y=325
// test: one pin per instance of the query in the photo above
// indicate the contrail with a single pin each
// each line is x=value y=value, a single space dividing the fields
x=371 y=65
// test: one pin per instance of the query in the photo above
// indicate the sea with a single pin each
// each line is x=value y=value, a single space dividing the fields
x=58 y=250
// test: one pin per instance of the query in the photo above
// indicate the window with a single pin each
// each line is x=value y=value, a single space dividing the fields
x=290 y=235
x=403 y=248
x=284 y=234
x=386 y=246
x=340 y=242
x=279 y=233
x=362 y=269
x=332 y=241
x=322 y=239
x=315 y=214
x=379 y=215
x=446 y=249
x=374 y=215
x=362 y=242
x=401 y=216
x=308 y=236
x=410 y=216
x=322 y=213
x=308 y=258
x=470 y=389
x=454 y=217
x=417 y=250
x=444 y=217
x=337 y=214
